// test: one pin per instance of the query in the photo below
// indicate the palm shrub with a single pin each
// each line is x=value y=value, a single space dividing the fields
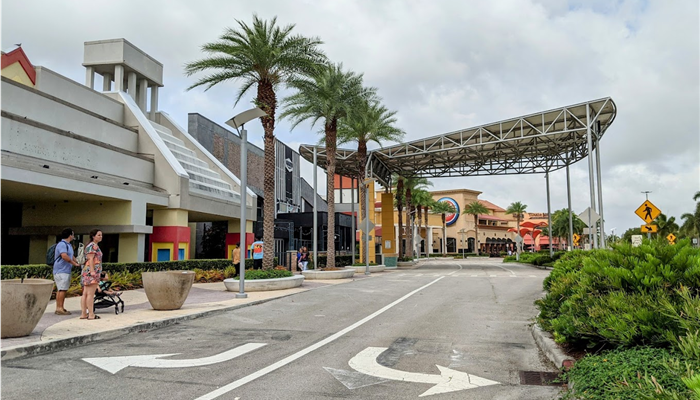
x=475 y=209
x=616 y=297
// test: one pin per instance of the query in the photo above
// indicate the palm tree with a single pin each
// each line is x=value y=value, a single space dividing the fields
x=421 y=198
x=367 y=122
x=517 y=209
x=666 y=225
x=475 y=208
x=560 y=224
x=443 y=208
x=691 y=221
x=411 y=184
x=329 y=95
x=266 y=56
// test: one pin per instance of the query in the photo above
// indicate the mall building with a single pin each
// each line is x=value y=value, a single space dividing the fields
x=100 y=154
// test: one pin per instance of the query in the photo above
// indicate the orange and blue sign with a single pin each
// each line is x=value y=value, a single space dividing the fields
x=450 y=218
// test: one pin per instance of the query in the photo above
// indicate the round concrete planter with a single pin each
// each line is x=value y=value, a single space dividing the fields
x=372 y=268
x=338 y=274
x=263 y=285
x=23 y=305
x=404 y=264
x=167 y=290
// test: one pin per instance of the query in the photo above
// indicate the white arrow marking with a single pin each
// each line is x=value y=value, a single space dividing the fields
x=116 y=364
x=449 y=380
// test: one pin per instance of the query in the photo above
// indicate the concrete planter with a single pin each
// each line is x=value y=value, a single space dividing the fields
x=167 y=290
x=405 y=264
x=263 y=285
x=339 y=274
x=372 y=268
x=23 y=305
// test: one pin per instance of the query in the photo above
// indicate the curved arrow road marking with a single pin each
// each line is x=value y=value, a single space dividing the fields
x=116 y=364
x=449 y=380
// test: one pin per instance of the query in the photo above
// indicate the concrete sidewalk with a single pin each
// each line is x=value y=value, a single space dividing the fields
x=56 y=332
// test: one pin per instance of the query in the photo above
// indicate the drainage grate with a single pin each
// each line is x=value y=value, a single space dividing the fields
x=540 y=378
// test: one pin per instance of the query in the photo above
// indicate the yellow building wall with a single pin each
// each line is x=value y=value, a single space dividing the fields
x=158 y=246
x=234 y=226
x=76 y=213
x=388 y=219
x=170 y=217
x=373 y=218
x=128 y=247
x=186 y=247
x=15 y=72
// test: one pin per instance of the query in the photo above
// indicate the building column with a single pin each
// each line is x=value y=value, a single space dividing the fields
x=429 y=240
x=118 y=78
x=131 y=85
x=154 y=103
x=369 y=214
x=90 y=77
x=106 y=82
x=142 y=94
x=234 y=236
x=131 y=247
x=388 y=230
x=170 y=239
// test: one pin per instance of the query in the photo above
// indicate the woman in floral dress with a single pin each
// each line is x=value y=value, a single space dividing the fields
x=90 y=276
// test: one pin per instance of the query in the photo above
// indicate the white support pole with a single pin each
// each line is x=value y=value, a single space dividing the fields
x=131 y=85
x=90 y=77
x=571 y=217
x=600 y=191
x=549 y=218
x=118 y=78
x=154 y=103
x=352 y=213
x=143 y=94
x=592 y=238
x=244 y=196
x=366 y=228
x=315 y=230
x=106 y=82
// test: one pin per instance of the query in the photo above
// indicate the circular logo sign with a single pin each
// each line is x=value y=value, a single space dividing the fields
x=450 y=218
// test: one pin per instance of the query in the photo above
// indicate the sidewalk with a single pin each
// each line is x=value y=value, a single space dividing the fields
x=57 y=332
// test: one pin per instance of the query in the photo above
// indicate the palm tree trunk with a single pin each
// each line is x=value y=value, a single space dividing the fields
x=268 y=103
x=428 y=240
x=331 y=133
x=420 y=224
x=409 y=228
x=362 y=161
x=476 y=234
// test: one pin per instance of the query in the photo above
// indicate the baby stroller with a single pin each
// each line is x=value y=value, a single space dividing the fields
x=104 y=300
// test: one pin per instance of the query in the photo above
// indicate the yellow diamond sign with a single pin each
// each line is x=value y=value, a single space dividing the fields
x=647 y=211
x=671 y=238
x=576 y=237
x=650 y=228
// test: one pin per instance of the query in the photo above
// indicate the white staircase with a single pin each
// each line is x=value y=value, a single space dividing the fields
x=202 y=179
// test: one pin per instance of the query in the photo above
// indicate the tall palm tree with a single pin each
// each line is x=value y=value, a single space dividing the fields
x=420 y=198
x=443 y=208
x=517 y=209
x=369 y=121
x=266 y=56
x=560 y=224
x=475 y=208
x=411 y=184
x=691 y=221
x=329 y=95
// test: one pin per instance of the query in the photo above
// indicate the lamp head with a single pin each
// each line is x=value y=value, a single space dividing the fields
x=249 y=115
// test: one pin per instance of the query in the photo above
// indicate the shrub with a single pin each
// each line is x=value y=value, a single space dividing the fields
x=340 y=261
x=361 y=264
x=404 y=259
x=638 y=373
x=267 y=274
x=617 y=297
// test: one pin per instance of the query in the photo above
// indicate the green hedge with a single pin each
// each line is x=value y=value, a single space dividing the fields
x=46 y=272
x=624 y=297
x=340 y=261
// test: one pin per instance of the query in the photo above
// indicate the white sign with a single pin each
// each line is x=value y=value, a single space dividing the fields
x=695 y=240
x=448 y=380
x=387 y=244
x=116 y=364
x=636 y=240
x=584 y=216
x=518 y=239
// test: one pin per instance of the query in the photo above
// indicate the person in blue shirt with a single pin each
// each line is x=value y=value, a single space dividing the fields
x=256 y=249
x=64 y=262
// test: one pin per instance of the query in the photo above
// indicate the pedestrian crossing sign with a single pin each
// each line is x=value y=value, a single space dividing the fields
x=671 y=238
x=576 y=238
x=647 y=211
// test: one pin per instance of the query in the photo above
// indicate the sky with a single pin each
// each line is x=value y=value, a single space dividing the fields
x=443 y=66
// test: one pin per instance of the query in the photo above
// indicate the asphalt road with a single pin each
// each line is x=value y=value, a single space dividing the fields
x=468 y=319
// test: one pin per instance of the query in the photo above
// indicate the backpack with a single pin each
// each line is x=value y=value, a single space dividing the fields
x=80 y=258
x=51 y=255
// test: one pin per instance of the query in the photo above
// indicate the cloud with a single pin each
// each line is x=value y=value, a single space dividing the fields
x=444 y=65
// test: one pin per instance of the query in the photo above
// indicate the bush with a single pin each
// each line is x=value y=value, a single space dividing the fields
x=622 y=297
x=404 y=259
x=340 y=261
x=638 y=373
x=267 y=274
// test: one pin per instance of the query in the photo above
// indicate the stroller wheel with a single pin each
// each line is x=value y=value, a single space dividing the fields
x=116 y=310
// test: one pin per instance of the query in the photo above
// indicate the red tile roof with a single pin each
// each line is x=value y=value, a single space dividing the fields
x=491 y=206
x=17 y=55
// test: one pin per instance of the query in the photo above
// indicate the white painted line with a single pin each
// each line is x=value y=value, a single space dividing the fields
x=418 y=275
x=279 y=364
x=473 y=276
x=492 y=276
x=116 y=364
x=532 y=276
x=449 y=380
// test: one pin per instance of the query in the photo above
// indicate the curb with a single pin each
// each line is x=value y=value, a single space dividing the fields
x=29 y=350
x=550 y=348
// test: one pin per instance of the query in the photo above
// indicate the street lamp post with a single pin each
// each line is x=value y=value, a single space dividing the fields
x=236 y=122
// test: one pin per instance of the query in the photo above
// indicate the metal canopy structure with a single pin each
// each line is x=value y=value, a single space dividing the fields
x=536 y=143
